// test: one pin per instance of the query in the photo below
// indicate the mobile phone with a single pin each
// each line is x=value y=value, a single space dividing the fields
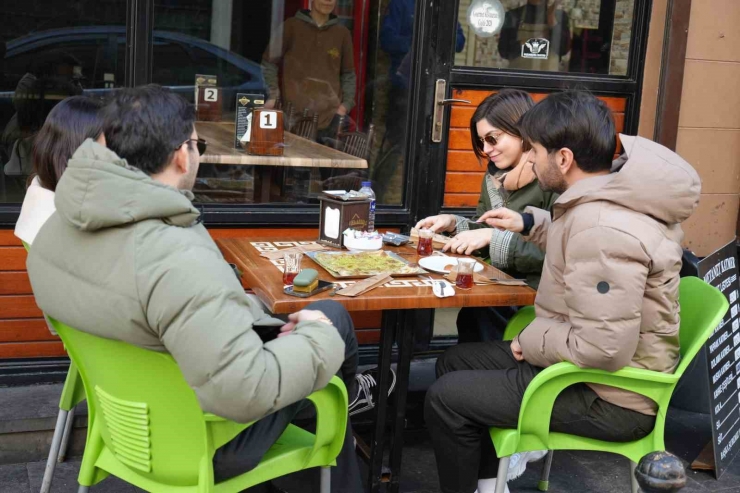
x=267 y=332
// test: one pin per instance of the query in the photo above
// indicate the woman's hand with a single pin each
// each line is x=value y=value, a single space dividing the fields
x=443 y=223
x=469 y=241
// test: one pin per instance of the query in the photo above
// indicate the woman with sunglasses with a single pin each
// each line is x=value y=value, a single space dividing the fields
x=510 y=182
x=66 y=127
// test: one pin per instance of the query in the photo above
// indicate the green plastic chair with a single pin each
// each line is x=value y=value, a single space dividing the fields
x=72 y=394
x=148 y=429
x=702 y=309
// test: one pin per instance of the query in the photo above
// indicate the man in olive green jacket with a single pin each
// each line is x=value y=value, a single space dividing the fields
x=126 y=257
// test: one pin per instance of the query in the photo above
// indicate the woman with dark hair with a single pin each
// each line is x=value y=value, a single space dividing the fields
x=510 y=182
x=66 y=127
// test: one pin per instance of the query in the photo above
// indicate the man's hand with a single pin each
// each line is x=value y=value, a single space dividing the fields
x=302 y=316
x=438 y=224
x=503 y=218
x=269 y=104
x=467 y=242
x=342 y=110
x=516 y=350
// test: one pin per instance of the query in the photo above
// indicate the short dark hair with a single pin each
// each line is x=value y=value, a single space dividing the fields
x=66 y=127
x=503 y=111
x=146 y=125
x=577 y=120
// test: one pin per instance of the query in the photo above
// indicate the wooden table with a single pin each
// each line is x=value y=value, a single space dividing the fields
x=399 y=301
x=299 y=152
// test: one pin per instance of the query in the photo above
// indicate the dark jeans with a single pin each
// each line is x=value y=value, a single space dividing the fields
x=245 y=451
x=481 y=385
x=483 y=324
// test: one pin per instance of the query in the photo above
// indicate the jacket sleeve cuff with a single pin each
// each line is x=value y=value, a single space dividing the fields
x=499 y=248
x=461 y=224
x=543 y=341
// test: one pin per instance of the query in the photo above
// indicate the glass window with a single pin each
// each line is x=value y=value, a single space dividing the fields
x=46 y=55
x=587 y=36
x=323 y=63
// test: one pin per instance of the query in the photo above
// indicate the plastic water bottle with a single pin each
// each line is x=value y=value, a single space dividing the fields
x=371 y=218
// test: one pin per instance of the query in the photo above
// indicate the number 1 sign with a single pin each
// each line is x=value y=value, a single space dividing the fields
x=267 y=133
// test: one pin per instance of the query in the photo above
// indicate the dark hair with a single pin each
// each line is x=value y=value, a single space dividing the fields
x=146 y=125
x=577 y=120
x=67 y=126
x=502 y=110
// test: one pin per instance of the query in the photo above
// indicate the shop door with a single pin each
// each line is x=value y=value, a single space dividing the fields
x=467 y=49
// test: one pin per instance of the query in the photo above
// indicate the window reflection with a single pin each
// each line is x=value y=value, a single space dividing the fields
x=317 y=61
x=46 y=55
x=588 y=36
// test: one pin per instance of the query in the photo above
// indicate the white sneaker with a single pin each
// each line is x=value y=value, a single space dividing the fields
x=518 y=462
x=366 y=382
x=489 y=486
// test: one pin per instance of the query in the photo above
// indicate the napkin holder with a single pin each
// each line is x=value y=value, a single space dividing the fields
x=267 y=135
x=338 y=215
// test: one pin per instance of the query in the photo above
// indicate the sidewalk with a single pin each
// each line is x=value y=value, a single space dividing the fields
x=572 y=472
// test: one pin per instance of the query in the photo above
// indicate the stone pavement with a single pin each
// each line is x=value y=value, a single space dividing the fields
x=572 y=472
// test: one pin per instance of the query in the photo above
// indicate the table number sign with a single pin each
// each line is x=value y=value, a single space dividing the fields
x=207 y=98
x=267 y=135
x=245 y=105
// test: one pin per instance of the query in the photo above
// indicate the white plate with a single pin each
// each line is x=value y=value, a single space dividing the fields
x=436 y=263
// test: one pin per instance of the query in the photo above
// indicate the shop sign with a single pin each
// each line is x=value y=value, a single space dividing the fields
x=486 y=17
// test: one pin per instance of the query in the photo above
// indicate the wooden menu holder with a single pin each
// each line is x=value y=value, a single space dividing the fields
x=267 y=136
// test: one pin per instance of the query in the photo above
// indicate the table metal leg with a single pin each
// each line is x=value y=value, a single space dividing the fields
x=387 y=336
x=405 y=334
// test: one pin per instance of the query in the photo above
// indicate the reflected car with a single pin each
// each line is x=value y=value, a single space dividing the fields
x=93 y=58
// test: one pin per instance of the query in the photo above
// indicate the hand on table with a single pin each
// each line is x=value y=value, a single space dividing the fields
x=468 y=241
x=516 y=350
x=503 y=218
x=443 y=223
x=269 y=104
x=302 y=316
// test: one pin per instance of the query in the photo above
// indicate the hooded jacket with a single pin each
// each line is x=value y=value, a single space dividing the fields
x=126 y=258
x=608 y=297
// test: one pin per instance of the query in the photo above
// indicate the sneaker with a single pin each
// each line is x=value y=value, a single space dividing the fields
x=518 y=462
x=489 y=486
x=366 y=382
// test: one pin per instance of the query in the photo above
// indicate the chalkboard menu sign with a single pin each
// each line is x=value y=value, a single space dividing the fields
x=245 y=103
x=723 y=354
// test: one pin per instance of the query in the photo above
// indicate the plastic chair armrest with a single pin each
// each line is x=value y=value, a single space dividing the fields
x=223 y=430
x=539 y=398
x=331 y=417
x=519 y=322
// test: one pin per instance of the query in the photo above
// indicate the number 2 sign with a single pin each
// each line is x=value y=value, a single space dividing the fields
x=268 y=119
x=210 y=94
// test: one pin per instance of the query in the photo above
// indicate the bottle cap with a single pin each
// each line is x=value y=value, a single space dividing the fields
x=366 y=183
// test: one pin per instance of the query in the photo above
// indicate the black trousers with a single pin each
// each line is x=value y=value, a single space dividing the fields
x=481 y=385
x=483 y=324
x=245 y=451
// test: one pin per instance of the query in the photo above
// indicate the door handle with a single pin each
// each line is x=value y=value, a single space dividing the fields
x=438 y=118
x=450 y=101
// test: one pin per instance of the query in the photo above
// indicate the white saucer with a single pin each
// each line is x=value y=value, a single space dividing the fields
x=436 y=263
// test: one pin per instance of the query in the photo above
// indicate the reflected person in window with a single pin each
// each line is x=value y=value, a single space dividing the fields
x=535 y=36
x=318 y=72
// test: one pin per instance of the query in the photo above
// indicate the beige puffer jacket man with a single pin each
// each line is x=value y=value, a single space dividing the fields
x=608 y=297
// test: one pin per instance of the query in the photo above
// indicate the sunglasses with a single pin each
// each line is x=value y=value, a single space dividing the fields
x=490 y=139
x=200 y=143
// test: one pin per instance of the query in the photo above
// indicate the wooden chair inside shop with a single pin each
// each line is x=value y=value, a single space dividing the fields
x=357 y=144
x=306 y=126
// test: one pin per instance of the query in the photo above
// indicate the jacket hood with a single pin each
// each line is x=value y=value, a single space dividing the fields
x=100 y=190
x=305 y=16
x=648 y=178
